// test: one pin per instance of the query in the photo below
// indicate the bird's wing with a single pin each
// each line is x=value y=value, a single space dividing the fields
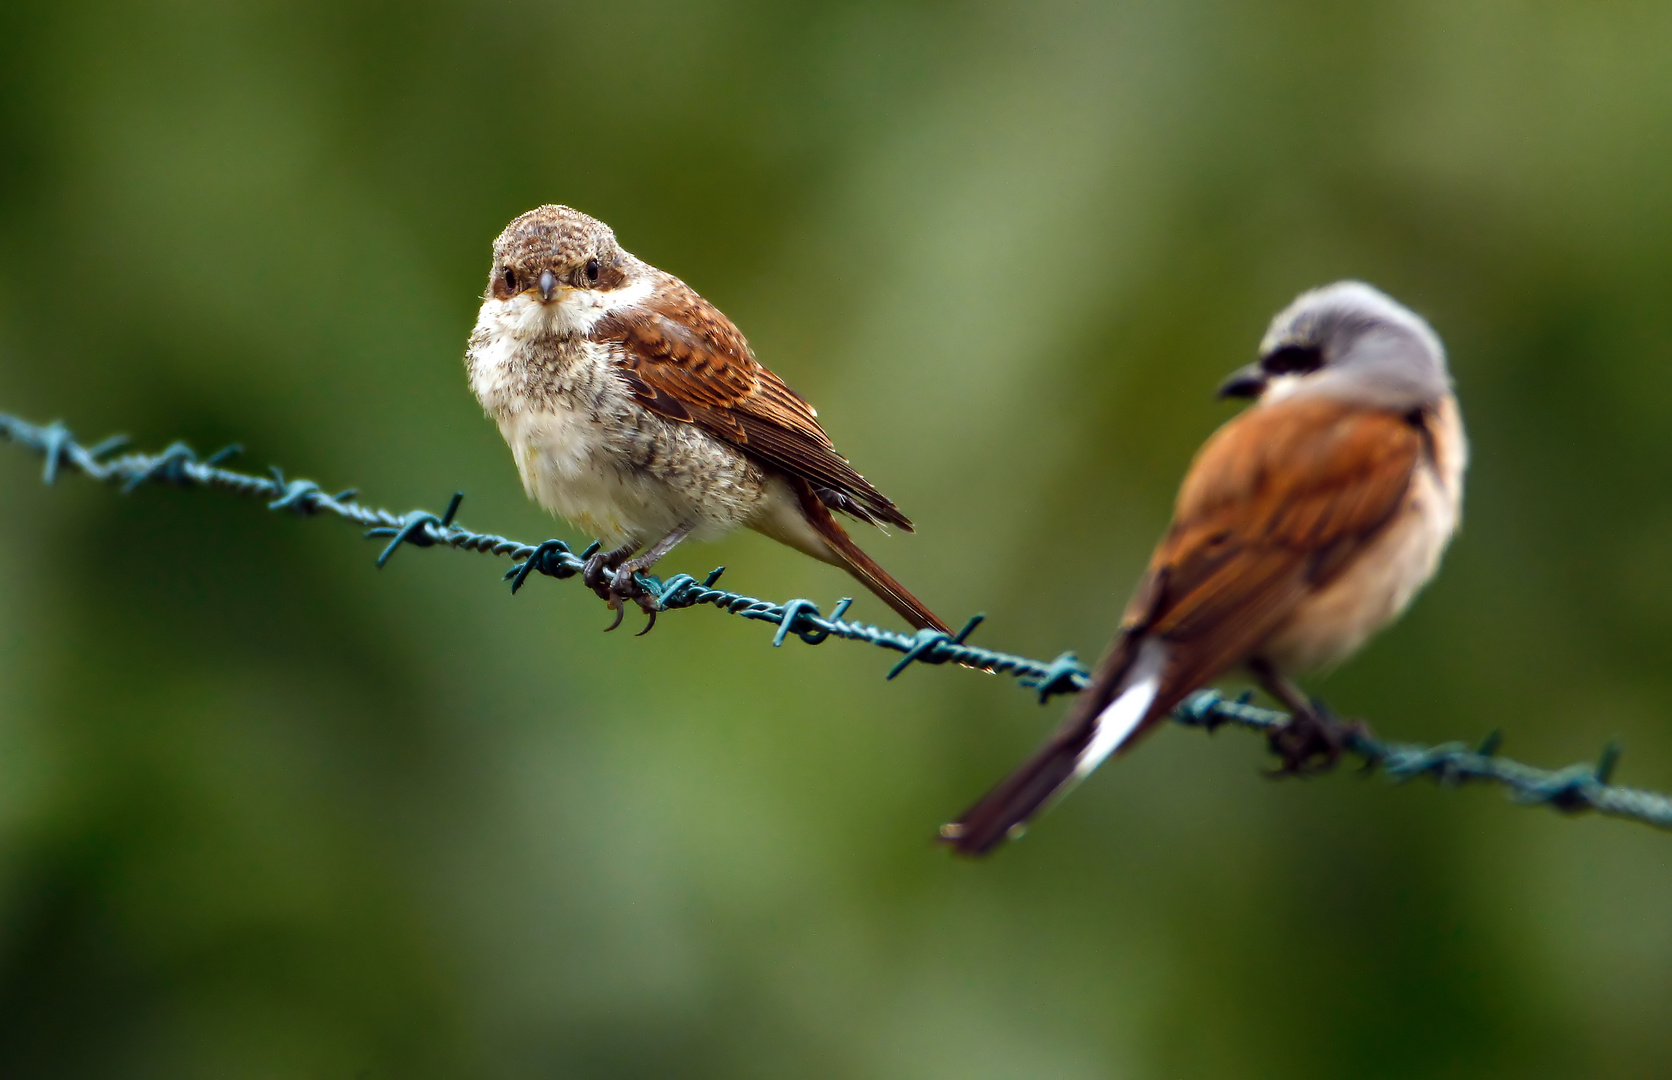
x=1277 y=504
x=685 y=361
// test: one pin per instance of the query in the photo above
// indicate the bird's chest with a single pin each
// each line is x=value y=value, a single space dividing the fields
x=588 y=451
x=1332 y=623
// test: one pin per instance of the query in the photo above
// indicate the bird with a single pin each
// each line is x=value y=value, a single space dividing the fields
x=1305 y=524
x=637 y=411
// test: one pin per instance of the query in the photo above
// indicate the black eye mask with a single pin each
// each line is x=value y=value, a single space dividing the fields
x=1292 y=360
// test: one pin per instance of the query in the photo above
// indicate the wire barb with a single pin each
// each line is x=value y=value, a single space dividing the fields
x=1575 y=789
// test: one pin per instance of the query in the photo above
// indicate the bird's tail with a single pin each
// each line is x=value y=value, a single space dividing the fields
x=1105 y=717
x=862 y=566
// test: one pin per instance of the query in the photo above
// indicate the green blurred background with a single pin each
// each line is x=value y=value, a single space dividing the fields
x=267 y=812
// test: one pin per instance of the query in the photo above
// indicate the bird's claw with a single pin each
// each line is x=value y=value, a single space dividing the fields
x=1312 y=742
x=617 y=585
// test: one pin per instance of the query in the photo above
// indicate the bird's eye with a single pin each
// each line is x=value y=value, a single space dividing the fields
x=1293 y=360
x=510 y=279
x=592 y=269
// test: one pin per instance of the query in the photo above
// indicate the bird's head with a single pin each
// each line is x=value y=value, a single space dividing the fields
x=556 y=269
x=1346 y=340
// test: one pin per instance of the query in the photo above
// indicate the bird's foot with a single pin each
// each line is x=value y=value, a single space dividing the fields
x=1312 y=741
x=600 y=570
x=613 y=578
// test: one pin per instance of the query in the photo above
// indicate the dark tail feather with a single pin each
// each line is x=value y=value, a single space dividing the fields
x=863 y=567
x=1106 y=716
x=1004 y=812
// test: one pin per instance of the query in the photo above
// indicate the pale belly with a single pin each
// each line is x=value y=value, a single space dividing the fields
x=621 y=482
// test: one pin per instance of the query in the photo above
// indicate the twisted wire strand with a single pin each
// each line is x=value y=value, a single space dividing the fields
x=1573 y=789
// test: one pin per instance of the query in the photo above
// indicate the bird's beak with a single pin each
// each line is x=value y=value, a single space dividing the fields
x=1244 y=382
x=548 y=285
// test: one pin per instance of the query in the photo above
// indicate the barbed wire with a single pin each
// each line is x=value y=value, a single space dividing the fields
x=1573 y=789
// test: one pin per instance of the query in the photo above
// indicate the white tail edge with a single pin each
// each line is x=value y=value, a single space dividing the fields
x=1123 y=715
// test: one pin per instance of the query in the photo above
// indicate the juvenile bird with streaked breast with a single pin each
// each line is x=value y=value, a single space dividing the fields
x=638 y=412
x=1305 y=524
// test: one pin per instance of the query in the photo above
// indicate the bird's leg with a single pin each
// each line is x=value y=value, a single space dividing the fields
x=1312 y=732
x=624 y=585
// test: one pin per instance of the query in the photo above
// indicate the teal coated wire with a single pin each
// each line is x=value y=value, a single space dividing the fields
x=1573 y=789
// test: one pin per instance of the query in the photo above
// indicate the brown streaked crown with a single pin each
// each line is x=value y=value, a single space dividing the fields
x=580 y=250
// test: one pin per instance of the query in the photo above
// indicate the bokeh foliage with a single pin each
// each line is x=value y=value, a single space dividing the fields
x=267 y=812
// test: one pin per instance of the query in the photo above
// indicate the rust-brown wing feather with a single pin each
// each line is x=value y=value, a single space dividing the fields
x=684 y=360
